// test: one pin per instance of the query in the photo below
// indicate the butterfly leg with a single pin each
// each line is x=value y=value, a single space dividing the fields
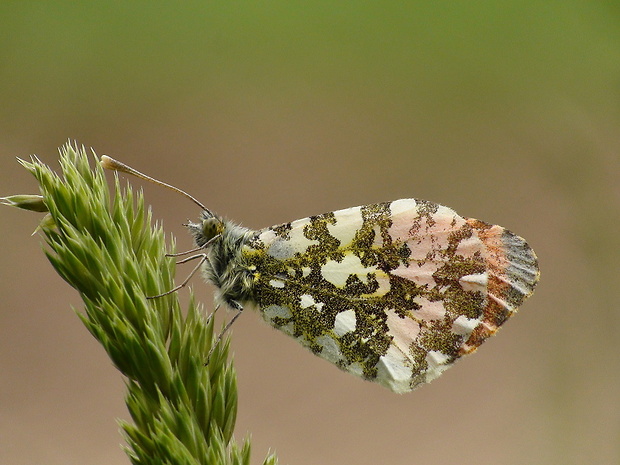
x=187 y=252
x=203 y=258
x=235 y=306
x=212 y=314
x=196 y=249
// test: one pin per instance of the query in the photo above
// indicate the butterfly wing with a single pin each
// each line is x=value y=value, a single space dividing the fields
x=393 y=292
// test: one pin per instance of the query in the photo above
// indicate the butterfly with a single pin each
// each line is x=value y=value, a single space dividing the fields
x=392 y=292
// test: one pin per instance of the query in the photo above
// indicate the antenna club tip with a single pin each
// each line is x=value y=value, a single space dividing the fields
x=110 y=163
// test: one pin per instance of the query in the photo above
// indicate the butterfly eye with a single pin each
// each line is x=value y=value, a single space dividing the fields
x=211 y=227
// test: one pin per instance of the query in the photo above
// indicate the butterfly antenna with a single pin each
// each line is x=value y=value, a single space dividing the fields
x=112 y=164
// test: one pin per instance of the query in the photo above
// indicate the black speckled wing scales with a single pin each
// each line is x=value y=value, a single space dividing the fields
x=393 y=292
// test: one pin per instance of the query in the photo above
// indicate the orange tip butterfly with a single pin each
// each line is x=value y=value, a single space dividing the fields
x=392 y=292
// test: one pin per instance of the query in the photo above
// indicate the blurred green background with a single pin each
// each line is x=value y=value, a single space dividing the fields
x=270 y=111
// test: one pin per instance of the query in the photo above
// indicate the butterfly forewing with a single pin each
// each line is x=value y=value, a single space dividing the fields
x=392 y=292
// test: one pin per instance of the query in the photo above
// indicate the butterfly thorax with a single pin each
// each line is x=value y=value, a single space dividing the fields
x=225 y=266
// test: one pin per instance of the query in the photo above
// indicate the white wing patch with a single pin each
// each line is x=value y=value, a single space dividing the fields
x=474 y=282
x=337 y=272
x=344 y=322
x=348 y=222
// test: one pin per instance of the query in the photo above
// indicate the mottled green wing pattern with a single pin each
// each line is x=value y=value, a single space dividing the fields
x=392 y=292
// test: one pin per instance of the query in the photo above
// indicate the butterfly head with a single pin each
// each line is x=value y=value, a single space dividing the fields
x=207 y=229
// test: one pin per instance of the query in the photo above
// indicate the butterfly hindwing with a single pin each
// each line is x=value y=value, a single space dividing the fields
x=393 y=292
